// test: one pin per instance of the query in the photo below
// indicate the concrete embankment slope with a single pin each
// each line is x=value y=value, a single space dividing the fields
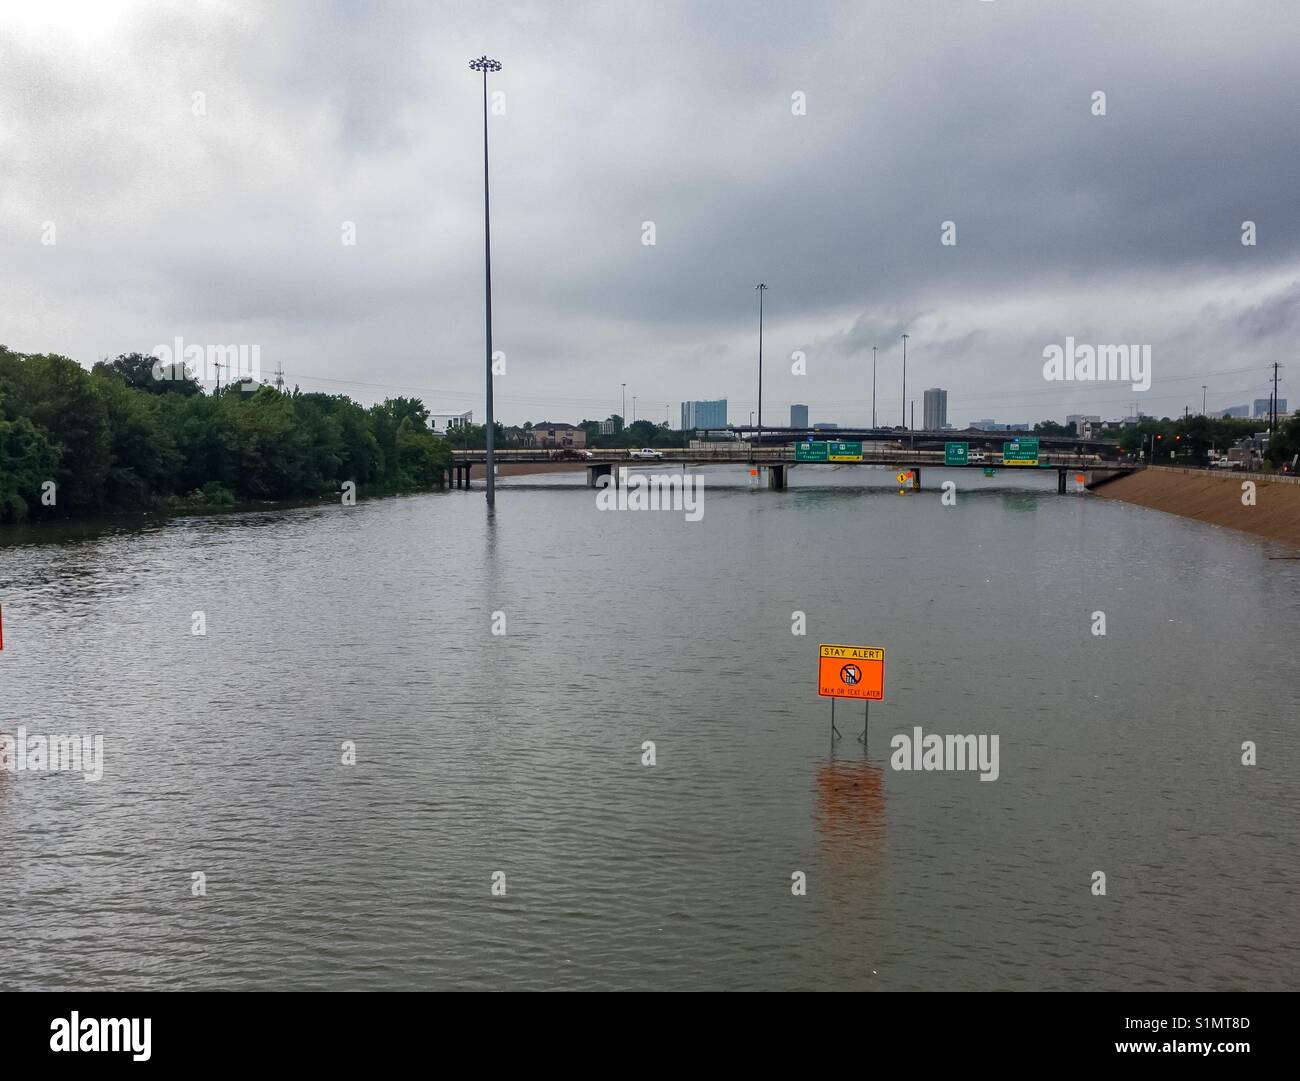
x=1216 y=498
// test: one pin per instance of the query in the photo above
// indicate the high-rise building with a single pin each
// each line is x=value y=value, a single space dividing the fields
x=1236 y=411
x=798 y=416
x=704 y=414
x=1262 y=405
x=936 y=409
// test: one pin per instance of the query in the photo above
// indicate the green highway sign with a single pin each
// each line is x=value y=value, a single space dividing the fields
x=810 y=452
x=955 y=453
x=844 y=452
x=1020 y=452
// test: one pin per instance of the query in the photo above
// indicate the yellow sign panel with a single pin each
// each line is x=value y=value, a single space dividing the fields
x=851 y=672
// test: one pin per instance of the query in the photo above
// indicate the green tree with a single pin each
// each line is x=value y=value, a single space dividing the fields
x=27 y=460
x=59 y=398
x=139 y=371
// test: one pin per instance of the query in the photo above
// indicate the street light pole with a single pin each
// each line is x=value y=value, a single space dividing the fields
x=485 y=65
x=1202 y=399
x=622 y=416
x=633 y=408
x=905 y=337
x=761 y=290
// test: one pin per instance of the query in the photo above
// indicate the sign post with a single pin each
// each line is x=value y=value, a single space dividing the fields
x=851 y=672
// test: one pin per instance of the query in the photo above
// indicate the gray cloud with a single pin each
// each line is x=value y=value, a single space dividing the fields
x=227 y=226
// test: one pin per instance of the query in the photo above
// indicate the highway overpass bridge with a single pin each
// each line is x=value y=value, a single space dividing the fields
x=777 y=460
x=913 y=440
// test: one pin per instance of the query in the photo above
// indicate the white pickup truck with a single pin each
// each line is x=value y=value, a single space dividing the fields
x=645 y=452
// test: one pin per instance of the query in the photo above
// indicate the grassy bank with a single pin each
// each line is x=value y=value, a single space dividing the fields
x=1215 y=498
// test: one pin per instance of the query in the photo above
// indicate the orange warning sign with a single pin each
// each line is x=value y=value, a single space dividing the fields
x=851 y=672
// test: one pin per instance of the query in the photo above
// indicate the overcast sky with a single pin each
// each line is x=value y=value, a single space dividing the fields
x=226 y=227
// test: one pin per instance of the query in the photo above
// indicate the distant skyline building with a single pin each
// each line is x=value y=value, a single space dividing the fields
x=1262 y=407
x=935 y=409
x=798 y=416
x=1236 y=411
x=990 y=425
x=711 y=414
x=1081 y=421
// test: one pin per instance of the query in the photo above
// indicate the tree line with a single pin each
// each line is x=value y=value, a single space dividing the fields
x=118 y=438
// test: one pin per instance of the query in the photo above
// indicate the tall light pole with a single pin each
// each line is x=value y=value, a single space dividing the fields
x=873 y=386
x=761 y=290
x=485 y=65
x=905 y=337
x=1202 y=399
x=622 y=416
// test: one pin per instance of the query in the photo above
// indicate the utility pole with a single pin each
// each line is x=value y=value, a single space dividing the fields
x=905 y=337
x=217 y=365
x=761 y=290
x=484 y=64
x=1272 y=422
x=873 y=386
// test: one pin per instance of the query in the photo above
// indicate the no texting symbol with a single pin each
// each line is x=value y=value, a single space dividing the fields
x=851 y=674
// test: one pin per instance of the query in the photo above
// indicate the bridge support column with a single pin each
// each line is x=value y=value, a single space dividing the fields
x=1060 y=481
x=916 y=478
x=605 y=469
x=776 y=478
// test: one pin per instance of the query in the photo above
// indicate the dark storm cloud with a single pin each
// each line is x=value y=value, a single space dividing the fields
x=227 y=226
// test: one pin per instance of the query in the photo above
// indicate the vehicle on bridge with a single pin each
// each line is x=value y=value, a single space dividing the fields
x=645 y=452
x=570 y=454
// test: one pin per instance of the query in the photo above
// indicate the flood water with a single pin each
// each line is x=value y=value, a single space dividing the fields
x=522 y=753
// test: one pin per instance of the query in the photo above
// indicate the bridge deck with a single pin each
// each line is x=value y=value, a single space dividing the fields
x=779 y=456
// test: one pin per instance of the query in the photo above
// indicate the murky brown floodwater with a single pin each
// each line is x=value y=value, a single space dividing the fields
x=522 y=753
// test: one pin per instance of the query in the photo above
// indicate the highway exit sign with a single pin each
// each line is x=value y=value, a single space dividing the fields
x=810 y=452
x=844 y=452
x=955 y=453
x=1020 y=452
